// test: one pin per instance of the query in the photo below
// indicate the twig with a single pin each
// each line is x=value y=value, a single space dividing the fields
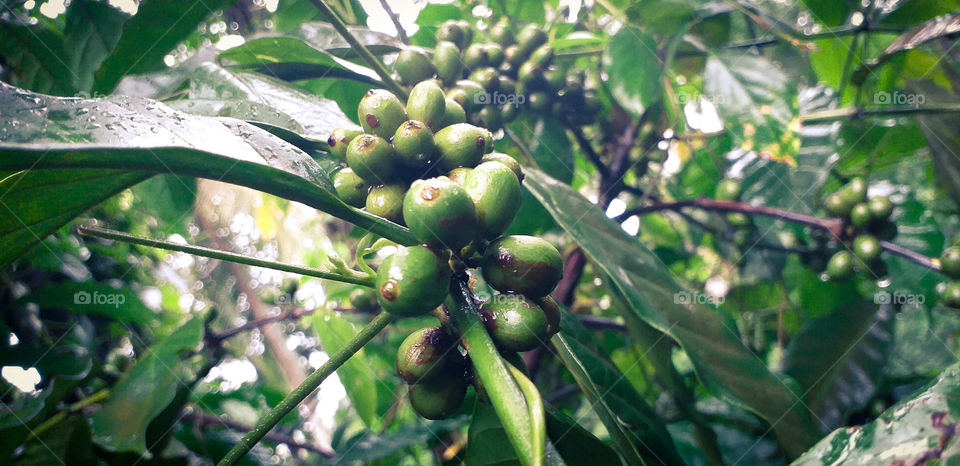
x=909 y=255
x=768 y=26
x=396 y=22
x=361 y=50
x=205 y=419
x=860 y=112
x=586 y=147
x=73 y=408
x=293 y=314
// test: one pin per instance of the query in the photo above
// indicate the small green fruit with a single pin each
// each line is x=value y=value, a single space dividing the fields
x=950 y=262
x=475 y=56
x=501 y=33
x=840 y=266
x=488 y=78
x=507 y=87
x=551 y=310
x=514 y=322
x=339 y=140
x=530 y=75
x=413 y=281
x=427 y=104
x=509 y=112
x=414 y=144
x=739 y=219
x=524 y=264
x=860 y=215
x=467 y=31
x=836 y=205
x=438 y=397
x=451 y=31
x=554 y=79
x=951 y=295
x=457 y=175
x=542 y=56
x=350 y=188
x=414 y=66
x=386 y=201
x=446 y=60
x=727 y=190
x=880 y=208
x=538 y=101
x=855 y=191
x=424 y=354
x=439 y=211
x=460 y=145
x=381 y=113
x=470 y=95
x=371 y=158
x=453 y=114
x=494 y=54
x=512 y=58
x=507 y=160
x=489 y=117
x=867 y=248
x=363 y=299
x=495 y=191
x=529 y=39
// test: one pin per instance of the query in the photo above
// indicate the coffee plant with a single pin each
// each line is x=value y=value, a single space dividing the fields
x=479 y=232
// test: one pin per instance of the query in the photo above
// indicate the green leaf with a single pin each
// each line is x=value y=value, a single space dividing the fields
x=520 y=12
x=144 y=391
x=323 y=36
x=92 y=31
x=633 y=69
x=917 y=430
x=933 y=30
x=636 y=431
x=21 y=407
x=154 y=31
x=68 y=440
x=838 y=359
x=293 y=59
x=830 y=13
x=911 y=12
x=91 y=298
x=723 y=364
x=578 y=40
x=33 y=55
x=370 y=447
x=487 y=442
x=548 y=145
x=146 y=137
x=170 y=199
x=662 y=17
x=574 y=443
x=356 y=374
x=940 y=132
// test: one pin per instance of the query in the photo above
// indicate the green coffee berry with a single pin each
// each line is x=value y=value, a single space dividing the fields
x=460 y=145
x=371 y=158
x=880 y=208
x=866 y=248
x=836 y=205
x=551 y=310
x=542 y=56
x=494 y=54
x=427 y=104
x=554 y=79
x=506 y=85
x=363 y=299
x=446 y=60
x=860 y=216
x=386 y=201
x=453 y=114
x=727 y=190
x=414 y=66
x=530 y=75
x=470 y=95
x=512 y=58
x=438 y=397
x=501 y=33
x=855 y=191
x=488 y=78
x=413 y=281
x=350 y=188
x=951 y=295
x=509 y=112
x=339 y=139
x=840 y=266
x=452 y=32
x=457 y=175
x=495 y=191
x=475 y=56
x=439 y=211
x=467 y=31
x=414 y=144
x=950 y=262
x=524 y=264
x=489 y=117
x=529 y=39
x=381 y=113
x=424 y=354
x=739 y=219
x=515 y=322
x=507 y=160
x=538 y=101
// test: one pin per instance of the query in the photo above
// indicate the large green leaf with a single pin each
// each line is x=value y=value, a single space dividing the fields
x=633 y=70
x=357 y=376
x=918 y=430
x=323 y=36
x=722 y=363
x=838 y=359
x=487 y=442
x=92 y=31
x=154 y=31
x=574 y=443
x=911 y=12
x=34 y=59
x=548 y=145
x=637 y=433
x=939 y=28
x=143 y=136
x=144 y=391
x=940 y=132
x=370 y=447
x=831 y=13
x=292 y=59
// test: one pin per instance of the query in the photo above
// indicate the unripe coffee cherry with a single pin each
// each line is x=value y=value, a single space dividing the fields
x=867 y=248
x=855 y=191
x=524 y=264
x=350 y=188
x=475 y=56
x=495 y=191
x=506 y=160
x=515 y=322
x=446 y=60
x=512 y=59
x=414 y=66
x=489 y=117
x=339 y=140
x=840 y=266
x=538 y=101
x=951 y=295
x=494 y=54
x=371 y=158
x=413 y=281
x=950 y=262
x=452 y=32
x=439 y=211
x=501 y=33
x=880 y=208
x=529 y=39
x=739 y=219
x=468 y=94
x=551 y=310
x=860 y=216
x=424 y=354
x=460 y=145
x=836 y=205
x=386 y=201
x=458 y=174
x=554 y=79
x=438 y=397
x=363 y=299
x=487 y=78
x=453 y=114
x=727 y=190
x=414 y=144
x=427 y=104
x=542 y=56
x=530 y=75
x=381 y=113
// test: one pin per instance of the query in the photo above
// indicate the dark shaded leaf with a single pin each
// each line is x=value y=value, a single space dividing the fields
x=936 y=29
x=34 y=58
x=122 y=305
x=21 y=407
x=911 y=12
x=662 y=17
x=633 y=69
x=370 y=447
x=831 y=13
x=293 y=59
x=548 y=145
x=574 y=443
x=487 y=442
x=92 y=31
x=722 y=363
x=940 y=132
x=324 y=37
x=357 y=376
x=67 y=441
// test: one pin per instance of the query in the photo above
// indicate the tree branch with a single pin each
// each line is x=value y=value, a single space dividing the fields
x=586 y=147
x=861 y=112
x=396 y=22
x=205 y=419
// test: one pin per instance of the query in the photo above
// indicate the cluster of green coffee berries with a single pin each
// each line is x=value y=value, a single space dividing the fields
x=867 y=222
x=950 y=266
x=422 y=166
x=729 y=190
x=500 y=74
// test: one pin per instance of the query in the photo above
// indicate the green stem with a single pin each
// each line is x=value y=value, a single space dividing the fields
x=361 y=50
x=538 y=421
x=300 y=393
x=358 y=279
x=858 y=112
x=505 y=396
x=60 y=416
